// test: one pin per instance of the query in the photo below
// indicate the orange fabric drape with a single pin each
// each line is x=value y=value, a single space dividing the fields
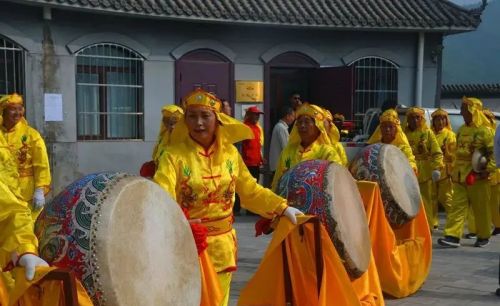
x=403 y=256
x=368 y=288
x=47 y=293
x=4 y=298
x=211 y=293
x=267 y=285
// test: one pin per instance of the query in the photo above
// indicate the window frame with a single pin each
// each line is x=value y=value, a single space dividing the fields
x=391 y=90
x=101 y=71
x=17 y=50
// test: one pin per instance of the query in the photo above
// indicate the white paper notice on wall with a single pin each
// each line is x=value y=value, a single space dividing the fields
x=53 y=107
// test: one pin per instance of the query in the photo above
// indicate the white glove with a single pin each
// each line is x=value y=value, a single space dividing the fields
x=30 y=262
x=436 y=174
x=291 y=212
x=38 y=199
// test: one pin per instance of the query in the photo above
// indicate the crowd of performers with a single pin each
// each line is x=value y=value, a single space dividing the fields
x=196 y=162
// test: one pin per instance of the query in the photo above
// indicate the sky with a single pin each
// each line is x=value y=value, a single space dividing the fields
x=472 y=57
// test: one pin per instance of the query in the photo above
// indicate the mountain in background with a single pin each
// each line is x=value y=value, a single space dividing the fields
x=474 y=57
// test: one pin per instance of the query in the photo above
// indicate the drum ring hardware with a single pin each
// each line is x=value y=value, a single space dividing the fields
x=96 y=218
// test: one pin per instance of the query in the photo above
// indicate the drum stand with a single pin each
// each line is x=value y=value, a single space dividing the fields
x=69 y=284
x=319 y=260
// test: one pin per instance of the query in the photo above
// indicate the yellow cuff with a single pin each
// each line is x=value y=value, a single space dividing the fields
x=281 y=208
x=27 y=248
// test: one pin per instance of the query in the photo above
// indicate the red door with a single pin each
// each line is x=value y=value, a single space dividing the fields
x=333 y=88
x=204 y=69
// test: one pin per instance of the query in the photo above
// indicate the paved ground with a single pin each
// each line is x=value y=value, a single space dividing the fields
x=464 y=276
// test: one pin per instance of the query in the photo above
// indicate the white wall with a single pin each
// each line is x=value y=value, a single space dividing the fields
x=157 y=41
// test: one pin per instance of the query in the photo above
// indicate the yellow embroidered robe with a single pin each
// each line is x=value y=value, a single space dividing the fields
x=204 y=182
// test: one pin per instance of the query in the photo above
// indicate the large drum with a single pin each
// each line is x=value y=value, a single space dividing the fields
x=389 y=167
x=125 y=238
x=327 y=190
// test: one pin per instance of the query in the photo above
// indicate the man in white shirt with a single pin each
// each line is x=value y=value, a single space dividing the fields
x=279 y=137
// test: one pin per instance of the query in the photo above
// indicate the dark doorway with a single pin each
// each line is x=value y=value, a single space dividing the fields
x=293 y=72
x=206 y=69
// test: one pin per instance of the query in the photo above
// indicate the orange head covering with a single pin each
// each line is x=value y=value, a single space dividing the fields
x=229 y=129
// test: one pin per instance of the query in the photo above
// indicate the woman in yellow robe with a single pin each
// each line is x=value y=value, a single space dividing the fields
x=428 y=156
x=202 y=170
x=308 y=140
x=474 y=135
x=171 y=114
x=28 y=148
x=334 y=135
x=447 y=141
x=389 y=131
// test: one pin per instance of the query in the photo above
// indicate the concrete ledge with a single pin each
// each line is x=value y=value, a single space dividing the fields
x=108 y=37
x=377 y=52
x=317 y=56
x=19 y=38
x=185 y=48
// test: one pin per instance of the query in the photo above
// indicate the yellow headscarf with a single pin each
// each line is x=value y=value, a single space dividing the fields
x=318 y=115
x=475 y=107
x=491 y=118
x=229 y=130
x=441 y=113
x=168 y=111
x=334 y=133
x=415 y=111
x=389 y=115
x=7 y=100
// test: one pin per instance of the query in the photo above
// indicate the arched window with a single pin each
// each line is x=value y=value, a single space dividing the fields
x=11 y=67
x=109 y=93
x=375 y=81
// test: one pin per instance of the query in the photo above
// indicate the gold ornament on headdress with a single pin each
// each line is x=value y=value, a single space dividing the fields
x=202 y=98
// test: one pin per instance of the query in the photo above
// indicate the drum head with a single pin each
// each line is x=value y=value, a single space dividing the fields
x=125 y=239
x=352 y=228
x=400 y=180
x=144 y=248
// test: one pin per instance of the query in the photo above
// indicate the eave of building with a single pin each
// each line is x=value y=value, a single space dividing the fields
x=368 y=28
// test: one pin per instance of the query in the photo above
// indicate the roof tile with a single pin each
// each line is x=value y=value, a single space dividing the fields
x=359 y=14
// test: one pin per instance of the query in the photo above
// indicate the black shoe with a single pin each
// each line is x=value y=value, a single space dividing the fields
x=481 y=242
x=471 y=236
x=449 y=242
x=496 y=231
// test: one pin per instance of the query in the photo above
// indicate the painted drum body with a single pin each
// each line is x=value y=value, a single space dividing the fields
x=125 y=239
x=327 y=190
x=389 y=167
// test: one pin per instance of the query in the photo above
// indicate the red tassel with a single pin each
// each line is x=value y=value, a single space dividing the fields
x=148 y=169
x=263 y=226
x=471 y=178
x=200 y=233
